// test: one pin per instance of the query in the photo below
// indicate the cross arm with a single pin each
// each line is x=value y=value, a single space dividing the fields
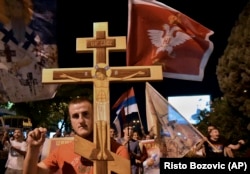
x=128 y=73
x=66 y=75
x=136 y=73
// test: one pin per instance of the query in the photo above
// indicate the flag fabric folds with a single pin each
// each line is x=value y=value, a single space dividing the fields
x=126 y=101
x=161 y=35
x=125 y=105
x=175 y=131
x=119 y=121
x=27 y=45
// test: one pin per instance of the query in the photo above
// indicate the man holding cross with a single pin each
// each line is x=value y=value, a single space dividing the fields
x=63 y=158
x=100 y=150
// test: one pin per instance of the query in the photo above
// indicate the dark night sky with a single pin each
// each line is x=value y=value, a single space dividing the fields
x=76 y=20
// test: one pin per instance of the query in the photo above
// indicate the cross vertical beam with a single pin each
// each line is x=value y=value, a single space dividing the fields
x=101 y=45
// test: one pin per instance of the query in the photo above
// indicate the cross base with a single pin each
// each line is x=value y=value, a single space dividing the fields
x=114 y=165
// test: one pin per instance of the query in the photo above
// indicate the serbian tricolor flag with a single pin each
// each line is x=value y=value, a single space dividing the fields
x=161 y=35
x=125 y=105
x=127 y=102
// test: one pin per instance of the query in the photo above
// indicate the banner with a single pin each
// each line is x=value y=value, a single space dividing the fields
x=27 y=45
x=153 y=151
x=161 y=35
x=177 y=133
x=51 y=144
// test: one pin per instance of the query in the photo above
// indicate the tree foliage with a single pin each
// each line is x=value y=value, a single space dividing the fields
x=231 y=113
x=233 y=70
x=227 y=119
x=230 y=122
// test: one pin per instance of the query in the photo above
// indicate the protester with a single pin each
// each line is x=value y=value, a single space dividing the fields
x=143 y=155
x=148 y=137
x=113 y=133
x=132 y=146
x=217 y=146
x=198 y=151
x=17 y=151
x=64 y=158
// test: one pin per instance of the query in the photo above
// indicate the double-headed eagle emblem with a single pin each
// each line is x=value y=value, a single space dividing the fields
x=167 y=39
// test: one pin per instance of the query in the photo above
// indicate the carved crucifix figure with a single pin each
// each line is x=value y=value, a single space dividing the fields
x=101 y=75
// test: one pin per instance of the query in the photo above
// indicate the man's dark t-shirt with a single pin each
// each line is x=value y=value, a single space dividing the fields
x=220 y=144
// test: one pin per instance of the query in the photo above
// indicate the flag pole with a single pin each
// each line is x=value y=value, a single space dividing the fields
x=142 y=128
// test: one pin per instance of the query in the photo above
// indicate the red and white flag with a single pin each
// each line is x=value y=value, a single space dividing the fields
x=161 y=35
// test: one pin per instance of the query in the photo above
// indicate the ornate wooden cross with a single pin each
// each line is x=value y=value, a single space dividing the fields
x=101 y=74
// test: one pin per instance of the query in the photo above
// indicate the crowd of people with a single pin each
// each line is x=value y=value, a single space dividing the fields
x=23 y=153
x=13 y=148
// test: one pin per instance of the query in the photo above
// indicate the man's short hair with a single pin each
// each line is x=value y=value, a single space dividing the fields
x=210 y=129
x=113 y=127
x=79 y=99
x=125 y=125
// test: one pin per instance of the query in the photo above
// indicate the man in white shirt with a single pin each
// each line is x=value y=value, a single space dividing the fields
x=17 y=151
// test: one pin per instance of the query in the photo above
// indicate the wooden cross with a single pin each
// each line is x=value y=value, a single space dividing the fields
x=101 y=74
